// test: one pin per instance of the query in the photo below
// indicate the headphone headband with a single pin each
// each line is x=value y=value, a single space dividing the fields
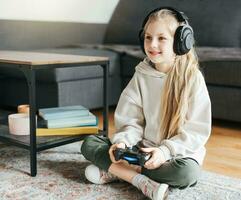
x=181 y=17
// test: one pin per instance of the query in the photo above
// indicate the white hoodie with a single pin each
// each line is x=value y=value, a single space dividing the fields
x=137 y=116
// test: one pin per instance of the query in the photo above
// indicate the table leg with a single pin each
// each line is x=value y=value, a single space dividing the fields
x=32 y=102
x=106 y=99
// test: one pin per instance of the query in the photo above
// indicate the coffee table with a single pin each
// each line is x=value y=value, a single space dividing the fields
x=28 y=63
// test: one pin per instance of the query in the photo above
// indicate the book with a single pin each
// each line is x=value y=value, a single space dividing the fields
x=63 y=112
x=67 y=131
x=89 y=120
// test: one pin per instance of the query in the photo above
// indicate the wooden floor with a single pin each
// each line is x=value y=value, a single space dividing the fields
x=223 y=147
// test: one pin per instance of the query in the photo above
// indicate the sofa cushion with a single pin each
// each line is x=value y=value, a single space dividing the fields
x=129 y=61
x=215 y=23
x=88 y=92
x=225 y=102
x=130 y=56
x=221 y=66
x=75 y=73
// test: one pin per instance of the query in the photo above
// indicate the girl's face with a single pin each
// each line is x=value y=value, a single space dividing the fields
x=158 y=45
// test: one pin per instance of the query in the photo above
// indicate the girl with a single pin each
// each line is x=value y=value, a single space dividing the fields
x=165 y=108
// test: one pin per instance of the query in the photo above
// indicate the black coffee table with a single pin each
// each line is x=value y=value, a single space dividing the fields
x=28 y=63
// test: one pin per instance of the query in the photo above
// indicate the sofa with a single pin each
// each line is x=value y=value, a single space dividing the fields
x=217 y=31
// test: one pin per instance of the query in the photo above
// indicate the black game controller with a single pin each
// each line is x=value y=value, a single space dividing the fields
x=132 y=155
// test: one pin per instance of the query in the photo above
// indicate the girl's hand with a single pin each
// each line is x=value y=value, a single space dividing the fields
x=156 y=159
x=112 y=148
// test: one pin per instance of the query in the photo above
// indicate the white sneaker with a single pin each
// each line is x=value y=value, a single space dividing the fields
x=161 y=193
x=98 y=176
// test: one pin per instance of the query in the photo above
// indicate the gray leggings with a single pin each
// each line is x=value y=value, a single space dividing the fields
x=178 y=173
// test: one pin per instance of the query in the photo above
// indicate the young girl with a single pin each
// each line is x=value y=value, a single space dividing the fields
x=165 y=108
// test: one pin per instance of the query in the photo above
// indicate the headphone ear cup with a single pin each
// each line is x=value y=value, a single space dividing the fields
x=141 y=40
x=183 y=40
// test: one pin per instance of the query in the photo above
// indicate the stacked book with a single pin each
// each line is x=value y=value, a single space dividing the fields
x=67 y=120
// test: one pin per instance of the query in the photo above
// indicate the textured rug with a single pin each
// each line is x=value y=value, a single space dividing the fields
x=61 y=177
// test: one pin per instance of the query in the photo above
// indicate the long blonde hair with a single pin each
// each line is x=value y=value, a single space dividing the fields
x=178 y=84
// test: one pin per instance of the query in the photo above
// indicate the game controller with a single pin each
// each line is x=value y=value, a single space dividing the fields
x=133 y=155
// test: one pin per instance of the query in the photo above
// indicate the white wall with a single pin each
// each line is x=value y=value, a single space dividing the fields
x=86 y=11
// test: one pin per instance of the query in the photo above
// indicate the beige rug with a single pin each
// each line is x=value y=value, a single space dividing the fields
x=61 y=177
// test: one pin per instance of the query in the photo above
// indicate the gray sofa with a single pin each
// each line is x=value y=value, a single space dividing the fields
x=217 y=30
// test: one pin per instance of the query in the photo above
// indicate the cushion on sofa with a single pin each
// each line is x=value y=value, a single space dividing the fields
x=88 y=92
x=222 y=66
x=215 y=23
x=225 y=102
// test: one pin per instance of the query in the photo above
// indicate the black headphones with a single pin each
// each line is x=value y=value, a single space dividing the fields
x=183 y=38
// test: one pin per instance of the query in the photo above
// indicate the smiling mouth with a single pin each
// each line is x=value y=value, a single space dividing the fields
x=154 y=53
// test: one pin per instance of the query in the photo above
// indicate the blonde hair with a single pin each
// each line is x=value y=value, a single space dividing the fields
x=178 y=84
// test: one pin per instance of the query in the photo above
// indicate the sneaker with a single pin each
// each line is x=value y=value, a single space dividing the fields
x=98 y=176
x=161 y=193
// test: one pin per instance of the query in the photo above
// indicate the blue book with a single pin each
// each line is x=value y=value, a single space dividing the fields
x=63 y=112
x=89 y=120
